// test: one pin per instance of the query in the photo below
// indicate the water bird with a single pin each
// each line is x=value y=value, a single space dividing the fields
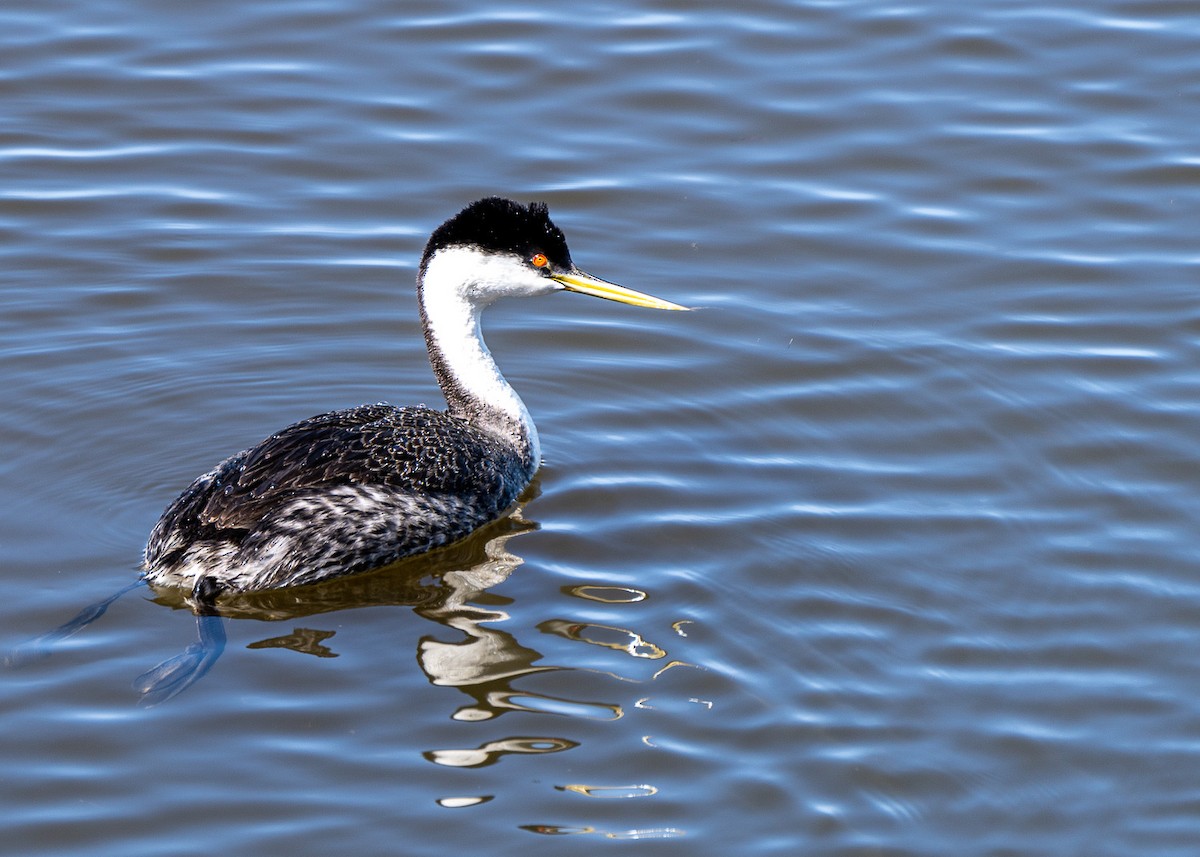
x=355 y=489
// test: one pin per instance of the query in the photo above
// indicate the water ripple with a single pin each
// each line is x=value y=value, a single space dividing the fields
x=889 y=548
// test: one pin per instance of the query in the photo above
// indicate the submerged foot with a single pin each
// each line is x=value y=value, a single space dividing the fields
x=175 y=675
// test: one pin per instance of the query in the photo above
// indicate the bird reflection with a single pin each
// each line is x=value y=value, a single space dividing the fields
x=449 y=588
x=306 y=641
x=441 y=587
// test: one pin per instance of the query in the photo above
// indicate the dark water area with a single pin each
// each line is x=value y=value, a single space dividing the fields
x=887 y=550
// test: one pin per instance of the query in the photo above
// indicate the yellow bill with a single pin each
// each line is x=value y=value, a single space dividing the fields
x=586 y=284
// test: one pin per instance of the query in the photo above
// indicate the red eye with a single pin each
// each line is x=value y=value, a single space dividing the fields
x=539 y=260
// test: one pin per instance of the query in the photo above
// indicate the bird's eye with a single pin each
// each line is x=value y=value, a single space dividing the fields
x=539 y=260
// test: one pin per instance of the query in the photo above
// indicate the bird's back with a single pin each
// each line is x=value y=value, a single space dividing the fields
x=337 y=493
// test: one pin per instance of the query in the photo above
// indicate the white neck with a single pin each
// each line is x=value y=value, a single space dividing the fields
x=453 y=293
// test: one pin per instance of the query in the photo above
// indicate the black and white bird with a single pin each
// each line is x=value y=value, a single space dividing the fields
x=354 y=489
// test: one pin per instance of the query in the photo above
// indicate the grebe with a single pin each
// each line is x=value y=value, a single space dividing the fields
x=354 y=489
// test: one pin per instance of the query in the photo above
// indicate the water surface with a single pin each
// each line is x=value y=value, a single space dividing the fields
x=888 y=550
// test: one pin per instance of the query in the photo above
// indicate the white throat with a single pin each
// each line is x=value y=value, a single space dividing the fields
x=457 y=284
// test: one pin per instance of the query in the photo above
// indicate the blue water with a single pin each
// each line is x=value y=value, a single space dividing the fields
x=887 y=550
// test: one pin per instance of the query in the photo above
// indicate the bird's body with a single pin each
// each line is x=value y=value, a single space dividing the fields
x=338 y=493
x=354 y=489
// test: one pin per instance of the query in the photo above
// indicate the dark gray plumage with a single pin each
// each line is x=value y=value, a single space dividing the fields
x=345 y=491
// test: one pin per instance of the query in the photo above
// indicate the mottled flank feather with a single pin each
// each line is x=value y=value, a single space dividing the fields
x=334 y=494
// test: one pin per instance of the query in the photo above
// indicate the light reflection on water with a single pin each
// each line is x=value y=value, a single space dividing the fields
x=888 y=549
x=478 y=657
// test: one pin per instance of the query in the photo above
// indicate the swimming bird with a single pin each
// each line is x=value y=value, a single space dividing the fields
x=355 y=489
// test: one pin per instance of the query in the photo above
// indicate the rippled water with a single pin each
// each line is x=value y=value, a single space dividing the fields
x=888 y=550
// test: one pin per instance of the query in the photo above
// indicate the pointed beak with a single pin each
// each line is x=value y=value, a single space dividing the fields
x=576 y=280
